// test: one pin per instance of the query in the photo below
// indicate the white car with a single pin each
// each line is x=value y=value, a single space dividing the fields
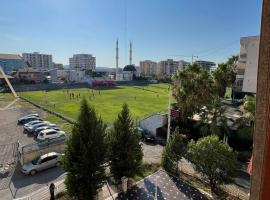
x=42 y=162
x=50 y=134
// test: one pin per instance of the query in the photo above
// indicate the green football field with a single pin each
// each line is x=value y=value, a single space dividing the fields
x=142 y=100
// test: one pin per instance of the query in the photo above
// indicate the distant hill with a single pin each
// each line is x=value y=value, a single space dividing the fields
x=105 y=69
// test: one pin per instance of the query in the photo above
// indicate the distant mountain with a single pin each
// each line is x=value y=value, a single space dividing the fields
x=105 y=69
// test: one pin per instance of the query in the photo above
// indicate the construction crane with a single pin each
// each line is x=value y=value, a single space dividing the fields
x=186 y=56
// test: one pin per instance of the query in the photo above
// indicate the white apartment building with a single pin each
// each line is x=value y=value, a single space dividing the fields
x=38 y=61
x=82 y=61
x=148 y=68
x=247 y=68
x=205 y=65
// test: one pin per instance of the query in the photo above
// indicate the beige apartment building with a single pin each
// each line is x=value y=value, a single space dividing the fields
x=167 y=67
x=148 y=68
x=38 y=61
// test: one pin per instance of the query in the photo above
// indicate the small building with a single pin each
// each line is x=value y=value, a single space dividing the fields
x=11 y=62
x=153 y=123
x=67 y=75
x=30 y=75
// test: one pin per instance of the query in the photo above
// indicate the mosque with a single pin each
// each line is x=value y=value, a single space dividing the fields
x=129 y=71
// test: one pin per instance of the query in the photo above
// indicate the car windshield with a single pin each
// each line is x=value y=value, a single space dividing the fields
x=35 y=161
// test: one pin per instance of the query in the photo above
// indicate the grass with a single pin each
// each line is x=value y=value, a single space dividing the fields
x=228 y=93
x=142 y=100
x=147 y=169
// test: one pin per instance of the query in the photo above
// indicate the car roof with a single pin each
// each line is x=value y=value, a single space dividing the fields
x=49 y=154
x=47 y=130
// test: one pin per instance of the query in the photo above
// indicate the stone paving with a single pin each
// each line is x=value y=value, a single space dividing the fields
x=164 y=186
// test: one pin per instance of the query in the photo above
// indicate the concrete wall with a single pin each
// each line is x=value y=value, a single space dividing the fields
x=27 y=156
x=54 y=86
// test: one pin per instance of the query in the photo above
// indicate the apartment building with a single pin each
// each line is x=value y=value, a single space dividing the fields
x=247 y=67
x=205 y=65
x=82 y=61
x=167 y=67
x=148 y=68
x=58 y=66
x=39 y=61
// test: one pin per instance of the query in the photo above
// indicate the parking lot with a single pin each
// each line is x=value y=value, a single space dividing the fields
x=16 y=184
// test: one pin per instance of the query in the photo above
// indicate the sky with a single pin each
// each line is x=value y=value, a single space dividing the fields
x=158 y=29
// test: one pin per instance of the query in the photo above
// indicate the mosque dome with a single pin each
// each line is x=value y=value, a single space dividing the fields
x=129 y=68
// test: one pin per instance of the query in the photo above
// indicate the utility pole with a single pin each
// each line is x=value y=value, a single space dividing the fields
x=169 y=116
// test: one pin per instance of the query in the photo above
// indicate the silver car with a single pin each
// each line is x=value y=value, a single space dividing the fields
x=42 y=162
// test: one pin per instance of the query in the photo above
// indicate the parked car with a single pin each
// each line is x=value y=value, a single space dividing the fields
x=42 y=162
x=50 y=134
x=31 y=128
x=26 y=120
x=30 y=124
x=28 y=115
x=146 y=136
x=39 y=129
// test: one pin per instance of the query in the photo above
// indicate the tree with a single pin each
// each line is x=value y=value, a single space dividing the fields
x=173 y=152
x=245 y=124
x=213 y=158
x=225 y=75
x=213 y=119
x=85 y=155
x=192 y=88
x=125 y=150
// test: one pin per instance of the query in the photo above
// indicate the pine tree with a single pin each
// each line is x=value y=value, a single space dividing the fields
x=173 y=152
x=85 y=155
x=125 y=150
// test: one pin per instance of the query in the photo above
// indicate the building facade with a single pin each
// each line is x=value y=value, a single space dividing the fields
x=167 y=67
x=39 y=61
x=67 y=75
x=247 y=67
x=58 y=66
x=148 y=68
x=82 y=61
x=11 y=62
x=30 y=75
x=205 y=65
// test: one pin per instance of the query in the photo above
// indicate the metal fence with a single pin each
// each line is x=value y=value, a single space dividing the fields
x=44 y=193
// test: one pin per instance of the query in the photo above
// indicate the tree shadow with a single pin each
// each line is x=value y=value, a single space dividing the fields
x=187 y=189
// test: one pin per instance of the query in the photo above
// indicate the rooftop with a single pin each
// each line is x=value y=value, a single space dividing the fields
x=10 y=56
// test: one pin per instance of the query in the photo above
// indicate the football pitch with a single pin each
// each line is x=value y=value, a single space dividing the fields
x=142 y=100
